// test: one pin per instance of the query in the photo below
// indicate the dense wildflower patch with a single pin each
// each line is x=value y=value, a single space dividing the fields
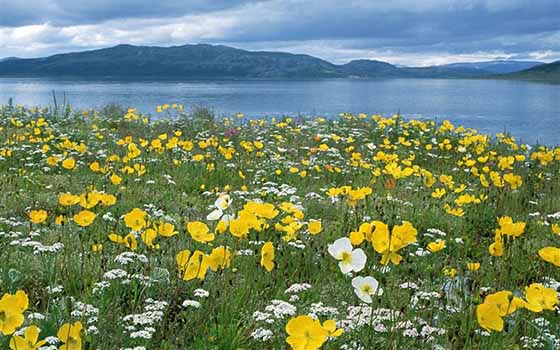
x=189 y=231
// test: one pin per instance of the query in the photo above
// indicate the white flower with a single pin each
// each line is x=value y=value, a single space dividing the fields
x=192 y=303
x=366 y=287
x=350 y=260
x=201 y=293
x=227 y=218
x=215 y=215
x=223 y=202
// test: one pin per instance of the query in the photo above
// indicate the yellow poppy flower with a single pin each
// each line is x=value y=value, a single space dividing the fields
x=68 y=163
x=473 y=266
x=70 y=335
x=200 y=232
x=192 y=266
x=166 y=229
x=12 y=307
x=67 y=199
x=551 y=255
x=305 y=333
x=38 y=216
x=389 y=245
x=30 y=341
x=435 y=247
x=314 y=227
x=540 y=298
x=267 y=256
x=219 y=258
x=84 y=218
x=135 y=219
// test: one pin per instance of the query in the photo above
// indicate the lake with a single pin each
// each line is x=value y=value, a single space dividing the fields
x=529 y=110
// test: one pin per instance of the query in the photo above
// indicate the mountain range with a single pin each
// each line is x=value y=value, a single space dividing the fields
x=203 y=61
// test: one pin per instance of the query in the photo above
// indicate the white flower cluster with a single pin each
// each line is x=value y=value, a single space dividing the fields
x=276 y=310
x=245 y=252
x=191 y=303
x=38 y=247
x=420 y=252
x=297 y=288
x=14 y=222
x=126 y=258
x=281 y=309
x=55 y=289
x=548 y=336
x=318 y=309
x=201 y=293
x=10 y=234
x=262 y=334
x=141 y=325
x=353 y=345
x=422 y=296
x=158 y=213
x=100 y=286
x=35 y=316
x=115 y=274
x=409 y=285
x=435 y=231
x=550 y=282
x=297 y=244
x=272 y=188
x=85 y=311
x=122 y=275
x=359 y=316
x=49 y=347
x=108 y=216
x=313 y=195
x=426 y=332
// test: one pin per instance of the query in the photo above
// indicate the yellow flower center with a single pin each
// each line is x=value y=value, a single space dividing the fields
x=346 y=257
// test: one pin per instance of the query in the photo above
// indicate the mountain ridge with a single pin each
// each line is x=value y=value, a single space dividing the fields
x=220 y=61
x=544 y=72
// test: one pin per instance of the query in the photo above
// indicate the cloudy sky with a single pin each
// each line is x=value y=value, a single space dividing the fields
x=408 y=32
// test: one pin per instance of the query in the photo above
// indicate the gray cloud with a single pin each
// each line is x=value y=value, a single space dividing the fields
x=401 y=31
x=73 y=12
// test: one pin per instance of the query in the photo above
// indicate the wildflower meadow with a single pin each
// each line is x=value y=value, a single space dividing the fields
x=186 y=230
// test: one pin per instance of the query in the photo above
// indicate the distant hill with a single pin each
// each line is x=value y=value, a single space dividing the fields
x=496 y=67
x=217 y=61
x=8 y=59
x=378 y=69
x=369 y=69
x=543 y=72
x=197 y=61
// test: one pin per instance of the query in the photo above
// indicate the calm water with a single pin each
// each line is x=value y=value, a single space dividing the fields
x=530 y=111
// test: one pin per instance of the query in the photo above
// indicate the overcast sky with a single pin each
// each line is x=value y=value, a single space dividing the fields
x=409 y=32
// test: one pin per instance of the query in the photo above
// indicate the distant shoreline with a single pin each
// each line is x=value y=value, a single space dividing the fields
x=150 y=78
